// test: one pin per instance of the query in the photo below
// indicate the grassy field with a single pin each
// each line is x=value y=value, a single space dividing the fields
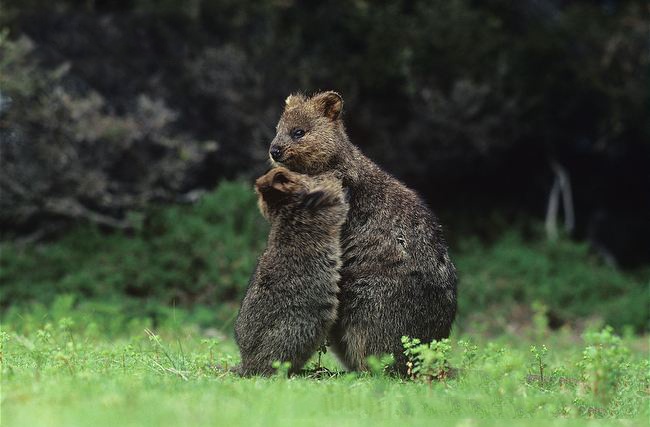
x=134 y=328
x=68 y=371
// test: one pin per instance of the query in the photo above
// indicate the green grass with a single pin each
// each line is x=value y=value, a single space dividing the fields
x=67 y=371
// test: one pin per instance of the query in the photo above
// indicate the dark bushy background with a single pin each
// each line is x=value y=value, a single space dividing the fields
x=110 y=108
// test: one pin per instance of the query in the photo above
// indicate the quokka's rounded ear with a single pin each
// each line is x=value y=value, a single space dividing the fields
x=330 y=104
x=293 y=100
x=272 y=180
x=280 y=178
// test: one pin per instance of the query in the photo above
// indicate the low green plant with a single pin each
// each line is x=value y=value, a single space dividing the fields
x=469 y=354
x=427 y=361
x=380 y=365
x=281 y=368
x=212 y=345
x=539 y=365
x=605 y=362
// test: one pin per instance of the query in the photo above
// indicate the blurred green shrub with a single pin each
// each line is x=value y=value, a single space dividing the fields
x=604 y=363
x=570 y=281
x=203 y=255
x=184 y=256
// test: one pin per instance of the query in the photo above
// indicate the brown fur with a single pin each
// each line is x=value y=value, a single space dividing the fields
x=396 y=276
x=291 y=300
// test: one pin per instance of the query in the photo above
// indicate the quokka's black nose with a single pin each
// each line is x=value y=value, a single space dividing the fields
x=276 y=153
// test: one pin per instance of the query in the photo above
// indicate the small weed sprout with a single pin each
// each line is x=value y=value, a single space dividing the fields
x=493 y=352
x=469 y=354
x=66 y=324
x=411 y=350
x=45 y=335
x=321 y=350
x=226 y=361
x=539 y=364
x=604 y=362
x=39 y=355
x=128 y=354
x=380 y=365
x=427 y=361
x=281 y=368
x=212 y=345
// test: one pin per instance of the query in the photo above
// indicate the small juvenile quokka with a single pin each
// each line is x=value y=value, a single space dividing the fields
x=291 y=301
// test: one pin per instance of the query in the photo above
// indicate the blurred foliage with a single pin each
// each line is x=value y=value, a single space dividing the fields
x=68 y=156
x=181 y=256
x=107 y=105
x=565 y=276
x=199 y=256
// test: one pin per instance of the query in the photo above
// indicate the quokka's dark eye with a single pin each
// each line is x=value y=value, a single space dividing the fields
x=297 y=133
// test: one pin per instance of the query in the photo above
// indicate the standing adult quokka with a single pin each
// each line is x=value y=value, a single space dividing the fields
x=396 y=275
x=291 y=301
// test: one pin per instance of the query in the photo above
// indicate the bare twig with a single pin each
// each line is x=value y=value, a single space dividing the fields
x=71 y=208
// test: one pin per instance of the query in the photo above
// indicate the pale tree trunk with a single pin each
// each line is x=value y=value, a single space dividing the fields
x=560 y=195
